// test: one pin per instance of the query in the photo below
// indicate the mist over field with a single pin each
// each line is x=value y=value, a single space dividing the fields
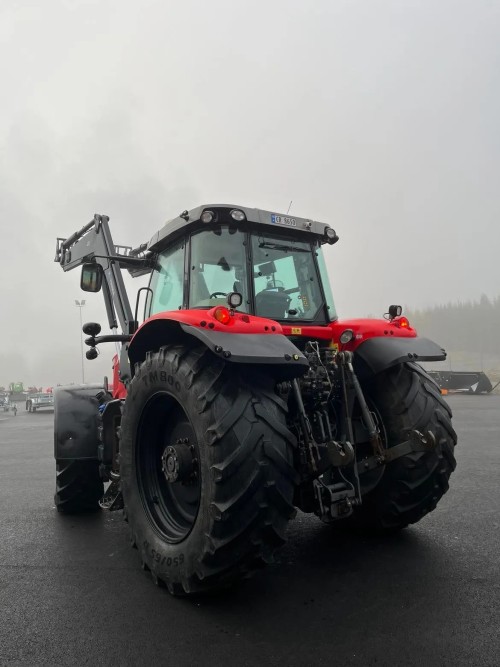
x=380 y=118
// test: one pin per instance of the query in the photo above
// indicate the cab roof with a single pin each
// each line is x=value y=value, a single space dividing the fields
x=189 y=221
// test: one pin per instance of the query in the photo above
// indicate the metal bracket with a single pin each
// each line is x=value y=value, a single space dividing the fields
x=340 y=454
x=112 y=500
x=335 y=501
x=417 y=442
x=345 y=361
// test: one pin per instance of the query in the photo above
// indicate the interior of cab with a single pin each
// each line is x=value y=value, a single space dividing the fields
x=217 y=267
x=283 y=275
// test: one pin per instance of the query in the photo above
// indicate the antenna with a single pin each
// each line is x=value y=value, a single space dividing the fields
x=289 y=206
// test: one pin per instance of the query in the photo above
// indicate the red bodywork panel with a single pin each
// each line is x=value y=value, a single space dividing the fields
x=363 y=330
x=241 y=323
x=118 y=388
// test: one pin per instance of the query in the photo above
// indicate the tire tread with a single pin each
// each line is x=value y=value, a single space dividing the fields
x=78 y=486
x=412 y=485
x=250 y=464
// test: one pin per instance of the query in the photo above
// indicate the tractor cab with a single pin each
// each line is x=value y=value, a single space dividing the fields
x=278 y=270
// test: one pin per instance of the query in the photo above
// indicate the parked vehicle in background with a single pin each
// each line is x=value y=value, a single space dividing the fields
x=463 y=382
x=17 y=391
x=40 y=400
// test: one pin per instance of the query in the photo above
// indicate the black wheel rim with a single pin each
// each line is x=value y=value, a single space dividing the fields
x=171 y=507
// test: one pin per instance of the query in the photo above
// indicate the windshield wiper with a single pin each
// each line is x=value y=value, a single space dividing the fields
x=279 y=246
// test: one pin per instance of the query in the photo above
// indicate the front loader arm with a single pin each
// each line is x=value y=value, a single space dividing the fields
x=93 y=243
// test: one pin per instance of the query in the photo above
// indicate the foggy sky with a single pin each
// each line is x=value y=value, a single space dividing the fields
x=380 y=118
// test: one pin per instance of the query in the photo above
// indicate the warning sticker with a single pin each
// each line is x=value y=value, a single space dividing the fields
x=296 y=331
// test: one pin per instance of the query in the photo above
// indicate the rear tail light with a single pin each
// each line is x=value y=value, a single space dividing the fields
x=222 y=315
x=401 y=322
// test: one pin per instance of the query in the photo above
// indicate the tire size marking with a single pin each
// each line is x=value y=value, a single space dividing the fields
x=169 y=561
x=154 y=376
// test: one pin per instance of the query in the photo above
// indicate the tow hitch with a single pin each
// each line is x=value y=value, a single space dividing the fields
x=335 y=501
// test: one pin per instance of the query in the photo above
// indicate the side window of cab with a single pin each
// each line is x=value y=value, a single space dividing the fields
x=167 y=281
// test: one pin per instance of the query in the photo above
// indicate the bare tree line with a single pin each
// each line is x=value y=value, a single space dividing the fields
x=471 y=326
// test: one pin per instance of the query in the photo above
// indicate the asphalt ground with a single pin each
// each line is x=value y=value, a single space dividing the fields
x=72 y=591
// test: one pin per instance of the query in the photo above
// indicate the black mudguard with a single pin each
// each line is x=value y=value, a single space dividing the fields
x=76 y=411
x=256 y=349
x=274 y=352
x=377 y=354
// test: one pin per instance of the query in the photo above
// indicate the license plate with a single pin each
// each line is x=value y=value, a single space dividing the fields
x=283 y=220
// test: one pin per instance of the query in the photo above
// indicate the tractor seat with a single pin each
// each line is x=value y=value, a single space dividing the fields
x=272 y=304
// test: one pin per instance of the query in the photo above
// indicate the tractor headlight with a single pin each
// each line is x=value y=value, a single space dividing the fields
x=331 y=235
x=346 y=336
x=238 y=215
x=207 y=216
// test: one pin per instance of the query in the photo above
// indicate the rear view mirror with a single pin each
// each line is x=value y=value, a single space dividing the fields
x=91 y=279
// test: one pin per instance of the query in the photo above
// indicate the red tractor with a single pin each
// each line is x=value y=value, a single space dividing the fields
x=239 y=396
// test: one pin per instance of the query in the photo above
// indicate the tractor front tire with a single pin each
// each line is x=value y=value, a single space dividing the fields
x=407 y=398
x=79 y=486
x=225 y=430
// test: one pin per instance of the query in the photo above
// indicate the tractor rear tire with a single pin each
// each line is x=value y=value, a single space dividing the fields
x=407 y=398
x=228 y=514
x=79 y=486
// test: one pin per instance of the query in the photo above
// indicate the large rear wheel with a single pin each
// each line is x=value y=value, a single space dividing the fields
x=406 y=398
x=206 y=469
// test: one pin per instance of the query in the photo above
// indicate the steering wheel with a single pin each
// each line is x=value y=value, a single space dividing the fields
x=214 y=295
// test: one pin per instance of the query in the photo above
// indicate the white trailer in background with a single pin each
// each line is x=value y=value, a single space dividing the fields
x=35 y=402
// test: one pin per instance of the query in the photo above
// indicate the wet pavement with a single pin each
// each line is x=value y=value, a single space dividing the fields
x=72 y=591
